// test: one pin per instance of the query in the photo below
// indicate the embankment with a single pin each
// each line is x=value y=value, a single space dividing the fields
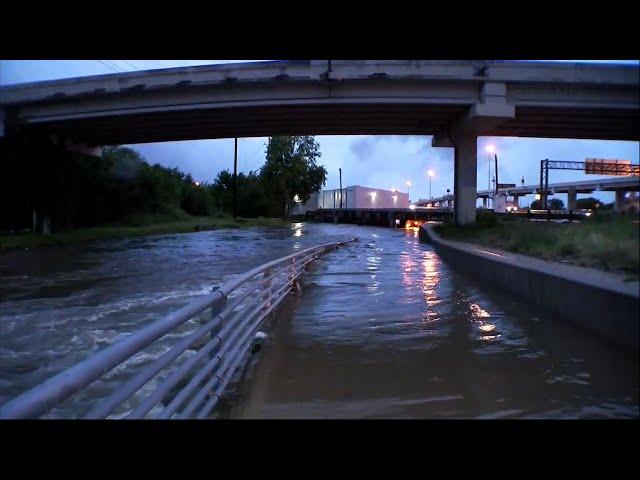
x=600 y=302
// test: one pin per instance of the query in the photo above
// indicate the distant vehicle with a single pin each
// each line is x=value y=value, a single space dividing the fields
x=413 y=224
x=511 y=207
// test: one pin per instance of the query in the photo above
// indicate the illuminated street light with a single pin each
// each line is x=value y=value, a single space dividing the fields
x=537 y=196
x=430 y=173
x=490 y=149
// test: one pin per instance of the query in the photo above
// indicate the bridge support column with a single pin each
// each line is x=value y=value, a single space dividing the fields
x=492 y=109
x=516 y=200
x=619 y=200
x=572 y=201
x=465 y=178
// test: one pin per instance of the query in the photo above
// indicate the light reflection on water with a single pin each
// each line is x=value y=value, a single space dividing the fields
x=385 y=329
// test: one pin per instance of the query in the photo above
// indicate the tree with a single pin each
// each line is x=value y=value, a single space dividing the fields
x=555 y=204
x=590 y=203
x=290 y=170
x=552 y=204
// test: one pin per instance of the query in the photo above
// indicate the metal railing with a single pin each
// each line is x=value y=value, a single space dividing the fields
x=190 y=388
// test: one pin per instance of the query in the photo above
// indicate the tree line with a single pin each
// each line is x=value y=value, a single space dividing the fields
x=76 y=190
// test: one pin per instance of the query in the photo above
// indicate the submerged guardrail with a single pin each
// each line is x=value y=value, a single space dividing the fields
x=194 y=387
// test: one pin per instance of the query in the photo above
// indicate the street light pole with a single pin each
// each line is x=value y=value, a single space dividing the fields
x=496 y=156
x=430 y=173
x=492 y=149
x=340 y=169
x=235 y=179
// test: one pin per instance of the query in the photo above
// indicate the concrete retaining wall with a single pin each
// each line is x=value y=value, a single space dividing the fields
x=596 y=301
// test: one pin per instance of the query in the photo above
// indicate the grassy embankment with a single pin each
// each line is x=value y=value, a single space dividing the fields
x=605 y=242
x=138 y=225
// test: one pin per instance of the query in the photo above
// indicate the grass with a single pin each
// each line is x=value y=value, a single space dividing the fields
x=140 y=225
x=605 y=242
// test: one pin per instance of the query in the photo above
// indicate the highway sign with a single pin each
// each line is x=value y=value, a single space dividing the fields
x=602 y=166
x=506 y=185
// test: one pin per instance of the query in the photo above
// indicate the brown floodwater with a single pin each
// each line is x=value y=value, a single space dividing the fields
x=386 y=329
x=383 y=329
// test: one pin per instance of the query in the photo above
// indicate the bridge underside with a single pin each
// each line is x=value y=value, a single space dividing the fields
x=338 y=119
x=587 y=123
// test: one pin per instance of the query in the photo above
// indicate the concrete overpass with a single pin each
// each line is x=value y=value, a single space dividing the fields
x=626 y=184
x=620 y=185
x=455 y=101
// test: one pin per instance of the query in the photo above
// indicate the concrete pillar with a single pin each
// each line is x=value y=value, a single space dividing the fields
x=484 y=202
x=619 y=200
x=572 y=200
x=516 y=200
x=465 y=178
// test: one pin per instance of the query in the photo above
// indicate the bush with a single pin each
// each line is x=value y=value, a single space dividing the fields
x=486 y=218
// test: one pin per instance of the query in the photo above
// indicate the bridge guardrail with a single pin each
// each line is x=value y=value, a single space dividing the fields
x=195 y=385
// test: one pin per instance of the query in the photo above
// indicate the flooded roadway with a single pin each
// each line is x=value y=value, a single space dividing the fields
x=384 y=328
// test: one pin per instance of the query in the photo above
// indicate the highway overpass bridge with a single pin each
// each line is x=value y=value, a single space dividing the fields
x=455 y=101
x=620 y=185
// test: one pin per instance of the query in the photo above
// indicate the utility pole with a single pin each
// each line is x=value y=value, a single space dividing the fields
x=340 y=169
x=235 y=179
x=496 y=156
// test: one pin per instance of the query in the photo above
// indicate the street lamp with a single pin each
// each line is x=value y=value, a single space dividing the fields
x=430 y=173
x=489 y=149
x=492 y=149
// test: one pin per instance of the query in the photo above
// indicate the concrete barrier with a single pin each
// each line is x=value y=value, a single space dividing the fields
x=597 y=301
